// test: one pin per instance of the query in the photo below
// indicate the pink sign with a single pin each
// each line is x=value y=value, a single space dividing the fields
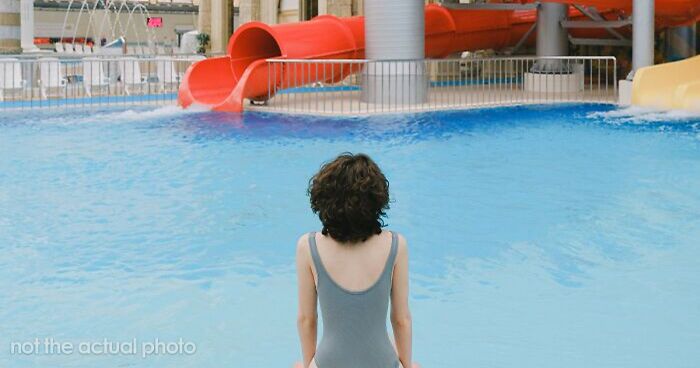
x=154 y=22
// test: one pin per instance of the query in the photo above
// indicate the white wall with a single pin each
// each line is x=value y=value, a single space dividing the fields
x=289 y=11
x=289 y=5
x=49 y=23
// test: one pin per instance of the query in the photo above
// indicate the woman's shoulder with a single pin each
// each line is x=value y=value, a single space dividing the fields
x=397 y=233
x=304 y=238
x=304 y=241
x=401 y=240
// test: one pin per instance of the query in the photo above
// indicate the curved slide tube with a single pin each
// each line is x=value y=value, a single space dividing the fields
x=223 y=83
x=668 y=86
x=669 y=13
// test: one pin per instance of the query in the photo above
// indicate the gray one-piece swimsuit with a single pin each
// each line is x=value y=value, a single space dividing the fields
x=354 y=322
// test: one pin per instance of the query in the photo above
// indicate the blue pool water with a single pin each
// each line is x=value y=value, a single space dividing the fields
x=539 y=236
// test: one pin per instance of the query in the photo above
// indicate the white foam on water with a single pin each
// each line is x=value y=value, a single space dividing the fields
x=158 y=113
x=641 y=115
x=115 y=117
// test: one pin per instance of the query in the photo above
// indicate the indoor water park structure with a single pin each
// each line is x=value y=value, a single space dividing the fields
x=379 y=57
x=348 y=57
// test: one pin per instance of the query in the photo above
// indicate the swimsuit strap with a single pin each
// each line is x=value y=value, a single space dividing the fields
x=389 y=267
x=314 y=254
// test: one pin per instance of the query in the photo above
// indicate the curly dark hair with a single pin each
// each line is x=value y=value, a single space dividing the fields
x=350 y=195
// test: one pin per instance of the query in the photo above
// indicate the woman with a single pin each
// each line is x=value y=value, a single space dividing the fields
x=353 y=268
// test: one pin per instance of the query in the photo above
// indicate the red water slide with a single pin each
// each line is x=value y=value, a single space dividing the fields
x=223 y=83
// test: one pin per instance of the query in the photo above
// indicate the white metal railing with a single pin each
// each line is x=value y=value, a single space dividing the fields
x=132 y=49
x=88 y=81
x=317 y=86
x=366 y=86
x=101 y=54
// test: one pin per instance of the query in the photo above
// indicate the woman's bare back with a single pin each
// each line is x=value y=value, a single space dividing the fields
x=354 y=267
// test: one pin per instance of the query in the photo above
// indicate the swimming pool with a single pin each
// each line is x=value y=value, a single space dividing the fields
x=560 y=236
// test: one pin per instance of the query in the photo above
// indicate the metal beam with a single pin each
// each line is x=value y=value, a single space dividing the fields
x=571 y=24
x=593 y=14
x=489 y=6
x=599 y=42
x=523 y=39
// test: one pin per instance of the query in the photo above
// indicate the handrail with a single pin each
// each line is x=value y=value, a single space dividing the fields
x=364 y=61
x=93 y=80
x=362 y=86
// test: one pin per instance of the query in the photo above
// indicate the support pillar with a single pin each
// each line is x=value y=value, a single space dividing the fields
x=395 y=38
x=269 y=11
x=249 y=10
x=204 y=17
x=10 y=22
x=642 y=35
x=339 y=8
x=220 y=25
x=27 y=26
x=358 y=7
x=680 y=42
x=552 y=38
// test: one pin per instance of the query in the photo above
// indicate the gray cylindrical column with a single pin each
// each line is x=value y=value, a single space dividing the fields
x=642 y=35
x=680 y=42
x=395 y=40
x=552 y=38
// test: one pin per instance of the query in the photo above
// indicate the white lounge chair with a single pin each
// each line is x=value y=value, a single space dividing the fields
x=167 y=73
x=10 y=76
x=59 y=47
x=88 y=49
x=52 y=77
x=130 y=74
x=68 y=48
x=94 y=76
x=79 y=48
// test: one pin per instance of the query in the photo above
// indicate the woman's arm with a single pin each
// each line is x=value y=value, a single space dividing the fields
x=400 y=313
x=307 y=318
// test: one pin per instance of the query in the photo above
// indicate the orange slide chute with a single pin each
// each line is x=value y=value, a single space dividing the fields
x=669 y=13
x=223 y=83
